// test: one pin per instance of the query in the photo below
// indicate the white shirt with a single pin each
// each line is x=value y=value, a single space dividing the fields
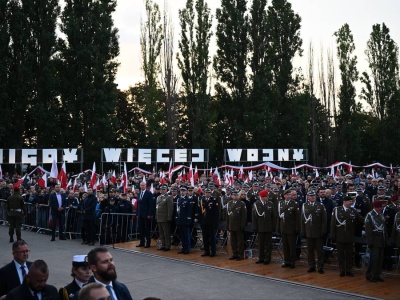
x=20 y=275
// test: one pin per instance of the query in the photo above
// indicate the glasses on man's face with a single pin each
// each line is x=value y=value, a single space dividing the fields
x=22 y=251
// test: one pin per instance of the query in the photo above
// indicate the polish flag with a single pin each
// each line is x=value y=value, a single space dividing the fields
x=94 y=176
x=62 y=176
x=104 y=180
x=390 y=172
x=69 y=183
x=19 y=182
x=113 y=178
x=196 y=175
x=170 y=171
x=184 y=177
x=125 y=179
x=54 y=170
x=42 y=181
x=211 y=172
x=241 y=173
x=190 y=175
x=162 y=178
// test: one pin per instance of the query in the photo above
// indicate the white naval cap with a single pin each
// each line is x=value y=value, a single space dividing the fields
x=80 y=260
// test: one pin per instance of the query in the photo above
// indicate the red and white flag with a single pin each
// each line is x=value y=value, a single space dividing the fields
x=42 y=181
x=184 y=177
x=241 y=173
x=94 y=176
x=113 y=178
x=62 y=176
x=125 y=179
x=391 y=169
x=190 y=175
x=19 y=182
x=162 y=178
x=170 y=171
x=69 y=183
x=195 y=175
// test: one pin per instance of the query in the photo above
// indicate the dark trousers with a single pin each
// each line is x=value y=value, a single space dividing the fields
x=265 y=243
x=90 y=230
x=375 y=262
x=144 y=230
x=289 y=248
x=184 y=235
x=60 y=217
x=345 y=256
x=209 y=238
x=15 y=224
x=315 y=245
x=237 y=243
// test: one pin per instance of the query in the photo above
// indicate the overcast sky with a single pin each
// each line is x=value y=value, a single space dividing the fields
x=320 y=19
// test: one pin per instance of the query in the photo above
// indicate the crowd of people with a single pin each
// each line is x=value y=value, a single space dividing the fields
x=347 y=213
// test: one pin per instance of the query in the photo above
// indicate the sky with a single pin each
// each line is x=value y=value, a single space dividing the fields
x=320 y=19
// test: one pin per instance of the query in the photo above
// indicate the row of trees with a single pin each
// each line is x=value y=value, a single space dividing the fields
x=59 y=90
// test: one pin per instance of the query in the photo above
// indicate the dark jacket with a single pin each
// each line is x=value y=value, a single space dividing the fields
x=9 y=278
x=53 y=202
x=68 y=292
x=89 y=207
x=146 y=205
x=120 y=290
x=22 y=292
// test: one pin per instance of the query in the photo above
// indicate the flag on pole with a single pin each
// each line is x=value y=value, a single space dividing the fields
x=196 y=175
x=62 y=176
x=113 y=178
x=190 y=175
x=94 y=176
x=391 y=169
x=42 y=181
x=125 y=177
x=1 y=173
x=170 y=171
x=54 y=170
x=19 y=182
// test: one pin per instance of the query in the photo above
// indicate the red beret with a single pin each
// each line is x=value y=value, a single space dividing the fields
x=377 y=204
x=263 y=193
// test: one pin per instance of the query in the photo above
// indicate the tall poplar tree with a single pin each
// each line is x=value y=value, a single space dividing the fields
x=230 y=65
x=4 y=63
x=194 y=62
x=87 y=66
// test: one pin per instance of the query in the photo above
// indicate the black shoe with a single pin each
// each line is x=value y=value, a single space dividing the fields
x=233 y=257
x=310 y=270
x=321 y=271
x=212 y=254
x=350 y=274
x=292 y=266
x=161 y=249
x=181 y=252
x=372 y=279
x=91 y=244
x=84 y=243
x=140 y=245
x=239 y=258
x=205 y=254
x=342 y=274
x=379 y=279
x=52 y=240
x=11 y=240
x=147 y=246
x=285 y=266
x=63 y=239
x=260 y=261
x=166 y=249
x=267 y=262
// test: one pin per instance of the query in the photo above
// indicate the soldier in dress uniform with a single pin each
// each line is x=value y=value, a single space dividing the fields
x=313 y=227
x=81 y=274
x=375 y=230
x=184 y=219
x=289 y=228
x=164 y=212
x=236 y=221
x=389 y=212
x=253 y=193
x=209 y=216
x=395 y=237
x=273 y=196
x=342 y=232
x=16 y=210
x=194 y=202
x=362 y=208
x=174 y=230
x=264 y=223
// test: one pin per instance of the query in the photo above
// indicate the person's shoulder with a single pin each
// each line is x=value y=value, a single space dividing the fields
x=7 y=267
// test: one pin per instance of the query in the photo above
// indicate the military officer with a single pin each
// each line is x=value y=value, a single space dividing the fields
x=183 y=219
x=264 y=223
x=375 y=230
x=81 y=274
x=395 y=237
x=194 y=202
x=313 y=227
x=164 y=212
x=389 y=211
x=273 y=196
x=209 y=216
x=253 y=193
x=236 y=221
x=342 y=231
x=16 y=210
x=289 y=228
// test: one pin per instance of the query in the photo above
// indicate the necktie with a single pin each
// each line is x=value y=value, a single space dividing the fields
x=35 y=296
x=109 y=289
x=23 y=272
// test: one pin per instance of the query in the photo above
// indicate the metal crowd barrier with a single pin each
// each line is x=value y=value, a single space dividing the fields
x=117 y=228
x=3 y=212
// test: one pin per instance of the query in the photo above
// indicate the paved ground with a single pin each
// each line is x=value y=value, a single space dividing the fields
x=149 y=275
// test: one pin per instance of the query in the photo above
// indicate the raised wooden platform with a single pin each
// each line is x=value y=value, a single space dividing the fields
x=390 y=289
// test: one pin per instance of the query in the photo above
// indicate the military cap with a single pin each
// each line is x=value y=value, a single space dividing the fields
x=348 y=198
x=80 y=261
x=387 y=181
x=275 y=190
x=235 y=192
x=255 y=184
x=246 y=185
x=287 y=191
x=311 y=193
x=207 y=190
x=268 y=185
x=183 y=187
x=174 y=188
x=163 y=186
x=381 y=187
x=377 y=203
x=211 y=184
x=190 y=188
x=359 y=189
x=229 y=188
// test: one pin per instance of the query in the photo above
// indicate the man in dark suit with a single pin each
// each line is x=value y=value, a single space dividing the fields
x=58 y=203
x=81 y=273
x=12 y=274
x=145 y=212
x=89 y=216
x=103 y=268
x=35 y=284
